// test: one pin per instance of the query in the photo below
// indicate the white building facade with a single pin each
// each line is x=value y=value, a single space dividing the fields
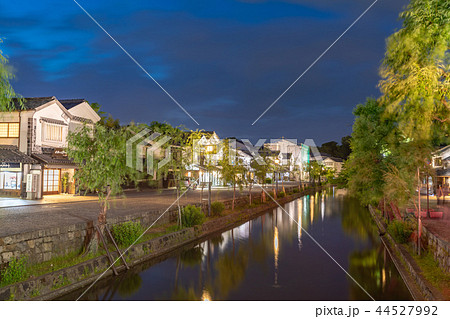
x=38 y=131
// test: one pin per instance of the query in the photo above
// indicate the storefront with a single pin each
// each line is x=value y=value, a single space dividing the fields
x=57 y=172
x=13 y=167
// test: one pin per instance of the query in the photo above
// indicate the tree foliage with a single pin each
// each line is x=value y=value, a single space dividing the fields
x=393 y=136
x=334 y=149
x=8 y=96
x=415 y=72
x=100 y=154
x=233 y=170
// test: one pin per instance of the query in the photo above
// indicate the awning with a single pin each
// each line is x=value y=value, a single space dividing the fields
x=11 y=154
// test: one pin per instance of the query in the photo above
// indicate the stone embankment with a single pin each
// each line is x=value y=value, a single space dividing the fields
x=420 y=288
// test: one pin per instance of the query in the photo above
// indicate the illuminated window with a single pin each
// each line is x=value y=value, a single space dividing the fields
x=13 y=130
x=51 y=180
x=9 y=129
x=10 y=180
x=53 y=132
x=3 y=129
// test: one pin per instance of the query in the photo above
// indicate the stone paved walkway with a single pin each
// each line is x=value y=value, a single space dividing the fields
x=29 y=216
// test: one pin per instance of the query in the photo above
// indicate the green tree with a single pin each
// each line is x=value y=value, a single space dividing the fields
x=370 y=145
x=316 y=170
x=415 y=72
x=232 y=168
x=8 y=97
x=100 y=154
x=178 y=160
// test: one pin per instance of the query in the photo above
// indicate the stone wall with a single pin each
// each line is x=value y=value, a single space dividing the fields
x=42 y=245
x=439 y=248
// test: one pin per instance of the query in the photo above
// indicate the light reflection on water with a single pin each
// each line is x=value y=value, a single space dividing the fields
x=271 y=258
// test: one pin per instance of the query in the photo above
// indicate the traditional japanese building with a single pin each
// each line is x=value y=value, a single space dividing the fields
x=33 y=138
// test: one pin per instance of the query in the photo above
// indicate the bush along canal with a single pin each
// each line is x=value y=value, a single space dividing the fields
x=269 y=257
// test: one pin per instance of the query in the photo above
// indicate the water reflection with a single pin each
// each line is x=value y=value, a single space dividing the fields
x=268 y=259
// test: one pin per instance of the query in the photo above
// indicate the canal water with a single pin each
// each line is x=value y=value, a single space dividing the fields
x=272 y=258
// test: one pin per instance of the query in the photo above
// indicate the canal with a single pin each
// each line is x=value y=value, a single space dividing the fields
x=272 y=258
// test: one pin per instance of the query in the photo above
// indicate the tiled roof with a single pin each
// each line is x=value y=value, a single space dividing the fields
x=69 y=103
x=81 y=119
x=11 y=154
x=30 y=103
x=443 y=172
x=48 y=159
x=53 y=121
x=336 y=159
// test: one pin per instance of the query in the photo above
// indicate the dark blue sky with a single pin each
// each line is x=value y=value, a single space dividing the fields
x=224 y=61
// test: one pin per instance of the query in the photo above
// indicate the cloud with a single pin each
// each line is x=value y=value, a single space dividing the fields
x=224 y=61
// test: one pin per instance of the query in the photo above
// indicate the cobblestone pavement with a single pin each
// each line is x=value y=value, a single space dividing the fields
x=21 y=219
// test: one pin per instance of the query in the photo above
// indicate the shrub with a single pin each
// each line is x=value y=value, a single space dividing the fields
x=295 y=190
x=268 y=180
x=217 y=208
x=281 y=194
x=192 y=216
x=14 y=272
x=401 y=231
x=125 y=234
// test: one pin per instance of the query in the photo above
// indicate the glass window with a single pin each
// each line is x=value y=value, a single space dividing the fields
x=10 y=180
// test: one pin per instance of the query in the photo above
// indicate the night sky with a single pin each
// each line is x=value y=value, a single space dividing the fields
x=224 y=61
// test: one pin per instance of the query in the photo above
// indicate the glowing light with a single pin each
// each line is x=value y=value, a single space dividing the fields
x=322 y=207
x=299 y=229
x=189 y=174
x=275 y=245
x=276 y=250
x=206 y=296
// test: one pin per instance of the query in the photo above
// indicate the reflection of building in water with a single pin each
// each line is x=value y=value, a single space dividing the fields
x=311 y=207
x=322 y=206
x=243 y=231
x=299 y=223
x=206 y=296
x=291 y=210
x=340 y=192
x=276 y=251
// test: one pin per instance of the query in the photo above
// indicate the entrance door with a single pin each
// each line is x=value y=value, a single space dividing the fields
x=51 y=181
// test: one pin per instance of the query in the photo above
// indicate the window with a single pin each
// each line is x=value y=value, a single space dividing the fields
x=10 y=180
x=51 y=181
x=53 y=132
x=9 y=129
x=437 y=161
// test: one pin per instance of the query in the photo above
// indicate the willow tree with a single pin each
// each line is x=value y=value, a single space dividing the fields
x=177 y=157
x=415 y=72
x=415 y=86
x=7 y=93
x=100 y=154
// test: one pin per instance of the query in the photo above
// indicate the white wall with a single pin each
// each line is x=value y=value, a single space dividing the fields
x=85 y=110
x=52 y=111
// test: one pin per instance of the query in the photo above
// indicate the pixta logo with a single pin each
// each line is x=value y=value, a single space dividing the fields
x=146 y=147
